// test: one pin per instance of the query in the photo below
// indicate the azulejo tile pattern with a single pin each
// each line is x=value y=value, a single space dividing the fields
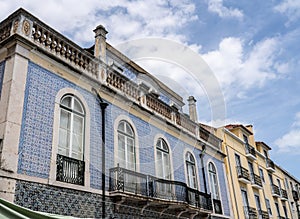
x=35 y=145
x=56 y=200
x=2 y=65
x=63 y=201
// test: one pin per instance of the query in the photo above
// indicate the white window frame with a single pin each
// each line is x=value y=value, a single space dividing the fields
x=158 y=165
x=195 y=170
x=116 y=142
x=211 y=183
x=72 y=113
x=127 y=160
x=55 y=140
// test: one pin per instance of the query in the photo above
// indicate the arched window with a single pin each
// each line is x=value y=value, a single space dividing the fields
x=163 y=159
x=71 y=127
x=126 y=146
x=191 y=170
x=214 y=185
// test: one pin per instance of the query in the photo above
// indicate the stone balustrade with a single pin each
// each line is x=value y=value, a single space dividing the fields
x=123 y=84
x=32 y=29
x=53 y=43
x=158 y=106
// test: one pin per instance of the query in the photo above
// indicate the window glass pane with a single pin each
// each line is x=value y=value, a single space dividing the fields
x=63 y=138
x=77 y=143
x=78 y=124
x=164 y=146
x=121 y=148
x=66 y=101
x=130 y=145
x=159 y=157
x=128 y=130
x=216 y=186
x=65 y=119
x=77 y=106
x=121 y=127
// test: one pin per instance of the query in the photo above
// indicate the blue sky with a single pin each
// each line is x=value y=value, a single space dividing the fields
x=252 y=47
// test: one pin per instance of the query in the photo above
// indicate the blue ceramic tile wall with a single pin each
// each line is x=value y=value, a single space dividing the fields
x=35 y=146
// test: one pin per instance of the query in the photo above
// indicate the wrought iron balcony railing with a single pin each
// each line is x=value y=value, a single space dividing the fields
x=250 y=151
x=256 y=181
x=263 y=214
x=295 y=195
x=69 y=170
x=250 y=213
x=128 y=181
x=275 y=190
x=270 y=165
x=243 y=174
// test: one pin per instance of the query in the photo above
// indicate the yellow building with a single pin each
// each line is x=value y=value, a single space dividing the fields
x=258 y=188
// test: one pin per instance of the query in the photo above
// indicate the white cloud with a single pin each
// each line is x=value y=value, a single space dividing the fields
x=291 y=8
x=239 y=70
x=217 y=6
x=123 y=19
x=290 y=142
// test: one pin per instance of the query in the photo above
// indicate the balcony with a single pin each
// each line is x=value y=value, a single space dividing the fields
x=295 y=195
x=284 y=195
x=256 y=181
x=217 y=206
x=263 y=214
x=69 y=170
x=243 y=174
x=250 y=151
x=270 y=165
x=250 y=213
x=275 y=191
x=150 y=192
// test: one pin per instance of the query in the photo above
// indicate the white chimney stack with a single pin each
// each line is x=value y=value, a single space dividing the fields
x=100 y=43
x=192 y=109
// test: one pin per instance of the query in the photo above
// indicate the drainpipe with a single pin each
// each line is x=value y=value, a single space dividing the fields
x=103 y=106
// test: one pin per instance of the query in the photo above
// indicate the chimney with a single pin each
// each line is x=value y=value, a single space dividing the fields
x=100 y=43
x=192 y=109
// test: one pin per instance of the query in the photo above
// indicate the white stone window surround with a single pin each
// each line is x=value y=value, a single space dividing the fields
x=156 y=139
x=86 y=151
x=116 y=142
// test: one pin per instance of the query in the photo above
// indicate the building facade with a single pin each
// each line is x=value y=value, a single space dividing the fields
x=89 y=133
x=258 y=187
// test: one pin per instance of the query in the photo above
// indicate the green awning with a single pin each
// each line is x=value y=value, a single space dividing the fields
x=9 y=210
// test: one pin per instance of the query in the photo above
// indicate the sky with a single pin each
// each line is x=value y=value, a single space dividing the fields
x=252 y=48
